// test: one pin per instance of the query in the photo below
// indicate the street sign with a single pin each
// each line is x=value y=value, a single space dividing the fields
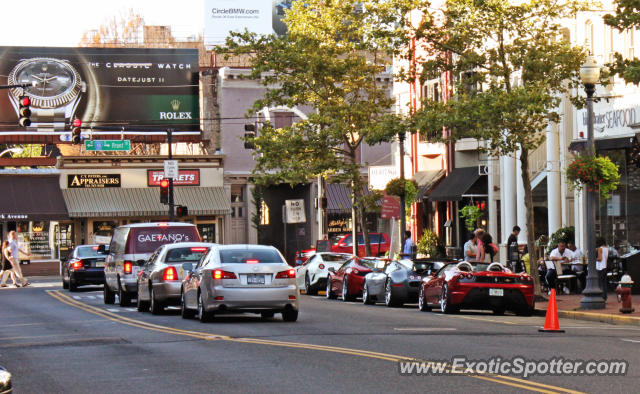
x=390 y=207
x=295 y=211
x=107 y=145
x=171 y=168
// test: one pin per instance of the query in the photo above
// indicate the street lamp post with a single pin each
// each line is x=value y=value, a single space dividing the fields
x=590 y=74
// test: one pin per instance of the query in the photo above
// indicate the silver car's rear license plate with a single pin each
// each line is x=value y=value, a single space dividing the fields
x=254 y=279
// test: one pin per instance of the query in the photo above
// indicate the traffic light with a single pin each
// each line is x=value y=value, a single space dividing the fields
x=24 y=111
x=164 y=191
x=249 y=135
x=76 y=133
x=182 y=211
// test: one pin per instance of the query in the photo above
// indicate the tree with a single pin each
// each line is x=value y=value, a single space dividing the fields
x=486 y=46
x=627 y=16
x=329 y=62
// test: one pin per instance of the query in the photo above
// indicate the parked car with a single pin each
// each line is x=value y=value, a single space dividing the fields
x=398 y=282
x=131 y=246
x=468 y=285
x=349 y=278
x=85 y=266
x=240 y=278
x=312 y=276
x=379 y=244
x=303 y=255
x=160 y=279
x=6 y=386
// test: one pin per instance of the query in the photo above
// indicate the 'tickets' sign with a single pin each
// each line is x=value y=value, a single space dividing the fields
x=92 y=181
x=185 y=178
x=134 y=88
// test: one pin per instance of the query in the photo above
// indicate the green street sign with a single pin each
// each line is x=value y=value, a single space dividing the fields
x=112 y=145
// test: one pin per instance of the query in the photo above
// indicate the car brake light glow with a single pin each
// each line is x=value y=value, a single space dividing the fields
x=321 y=266
x=94 y=247
x=220 y=274
x=78 y=265
x=252 y=261
x=170 y=273
x=128 y=267
x=163 y=224
x=291 y=297
x=199 y=249
x=219 y=298
x=286 y=274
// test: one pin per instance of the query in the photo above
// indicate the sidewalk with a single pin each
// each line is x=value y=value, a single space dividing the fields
x=569 y=307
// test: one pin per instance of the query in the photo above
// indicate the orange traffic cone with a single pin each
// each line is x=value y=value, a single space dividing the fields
x=551 y=323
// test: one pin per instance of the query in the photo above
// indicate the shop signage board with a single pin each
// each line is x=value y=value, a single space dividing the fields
x=295 y=211
x=184 y=178
x=107 y=145
x=171 y=168
x=93 y=181
x=390 y=207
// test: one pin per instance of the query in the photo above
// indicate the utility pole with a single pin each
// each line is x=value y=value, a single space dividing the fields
x=403 y=214
x=171 y=203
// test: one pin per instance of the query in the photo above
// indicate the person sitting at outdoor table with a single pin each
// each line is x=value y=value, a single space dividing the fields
x=578 y=267
x=562 y=254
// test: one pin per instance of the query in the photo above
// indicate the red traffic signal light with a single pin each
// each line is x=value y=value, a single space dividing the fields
x=76 y=132
x=182 y=211
x=24 y=112
x=164 y=191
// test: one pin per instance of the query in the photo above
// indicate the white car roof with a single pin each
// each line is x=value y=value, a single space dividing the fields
x=159 y=224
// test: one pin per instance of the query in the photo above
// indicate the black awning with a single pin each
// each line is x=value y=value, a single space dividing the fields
x=459 y=182
x=426 y=181
x=603 y=143
x=31 y=197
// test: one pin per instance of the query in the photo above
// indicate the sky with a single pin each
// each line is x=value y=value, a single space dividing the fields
x=62 y=22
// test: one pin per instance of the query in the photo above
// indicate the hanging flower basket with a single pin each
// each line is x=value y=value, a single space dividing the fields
x=594 y=173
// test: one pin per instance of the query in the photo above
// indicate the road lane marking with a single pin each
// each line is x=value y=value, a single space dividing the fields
x=424 y=329
x=504 y=380
x=631 y=340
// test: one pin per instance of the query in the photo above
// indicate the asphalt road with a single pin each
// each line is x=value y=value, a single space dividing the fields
x=54 y=341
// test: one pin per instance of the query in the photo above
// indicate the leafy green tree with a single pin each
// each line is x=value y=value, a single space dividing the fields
x=627 y=16
x=329 y=62
x=486 y=46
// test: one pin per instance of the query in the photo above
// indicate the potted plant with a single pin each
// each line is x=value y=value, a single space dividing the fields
x=595 y=173
x=471 y=214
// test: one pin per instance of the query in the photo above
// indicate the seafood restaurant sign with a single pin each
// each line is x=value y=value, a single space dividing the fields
x=611 y=119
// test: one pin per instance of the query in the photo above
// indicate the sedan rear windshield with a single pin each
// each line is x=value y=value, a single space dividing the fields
x=85 y=252
x=250 y=256
x=335 y=258
x=185 y=255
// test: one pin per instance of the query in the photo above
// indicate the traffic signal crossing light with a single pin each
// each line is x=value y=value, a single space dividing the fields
x=249 y=135
x=24 y=111
x=76 y=133
x=182 y=211
x=164 y=191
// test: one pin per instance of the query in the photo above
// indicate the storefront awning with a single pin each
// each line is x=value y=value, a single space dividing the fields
x=339 y=197
x=603 y=143
x=426 y=180
x=459 y=182
x=119 y=202
x=31 y=197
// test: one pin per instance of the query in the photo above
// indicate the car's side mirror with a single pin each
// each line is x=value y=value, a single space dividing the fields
x=188 y=267
x=331 y=269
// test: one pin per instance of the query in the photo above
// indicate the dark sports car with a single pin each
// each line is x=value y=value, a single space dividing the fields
x=467 y=285
x=348 y=279
x=85 y=266
x=398 y=281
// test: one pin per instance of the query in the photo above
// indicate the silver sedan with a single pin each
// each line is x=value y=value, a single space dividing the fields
x=240 y=278
x=160 y=279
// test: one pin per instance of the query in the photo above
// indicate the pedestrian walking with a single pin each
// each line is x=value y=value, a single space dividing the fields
x=6 y=269
x=601 y=265
x=14 y=259
x=409 y=245
x=513 y=259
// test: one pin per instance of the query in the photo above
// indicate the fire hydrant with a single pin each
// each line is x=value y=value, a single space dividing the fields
x=624 y=294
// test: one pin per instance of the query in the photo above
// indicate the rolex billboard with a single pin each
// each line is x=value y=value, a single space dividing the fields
x=135 y=91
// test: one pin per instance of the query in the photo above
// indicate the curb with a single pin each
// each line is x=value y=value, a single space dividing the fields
x=596 y=317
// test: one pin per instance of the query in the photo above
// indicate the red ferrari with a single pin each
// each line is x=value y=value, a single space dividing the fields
x=349 y=278
x=468 y=285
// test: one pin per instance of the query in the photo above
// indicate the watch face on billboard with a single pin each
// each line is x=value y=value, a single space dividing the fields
x=133 y=89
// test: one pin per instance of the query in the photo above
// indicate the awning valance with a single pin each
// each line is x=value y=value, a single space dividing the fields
x=31 y=197
x=118 y=202
x=603 y=143
x=460 y=181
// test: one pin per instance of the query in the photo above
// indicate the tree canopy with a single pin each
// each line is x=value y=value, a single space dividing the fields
x=627 y=16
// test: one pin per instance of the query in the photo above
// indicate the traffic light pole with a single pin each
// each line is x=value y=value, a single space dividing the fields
x=171 y=203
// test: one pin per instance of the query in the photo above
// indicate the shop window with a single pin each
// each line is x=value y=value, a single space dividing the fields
x=237 y=193
x=207 y=232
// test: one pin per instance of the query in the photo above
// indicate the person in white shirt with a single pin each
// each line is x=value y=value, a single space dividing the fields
x=562 y=254
x=578 y=267
x=13 y=257
x=470 y=249
x=601 y=265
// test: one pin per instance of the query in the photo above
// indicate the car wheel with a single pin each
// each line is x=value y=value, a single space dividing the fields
x=389 y=298
x=267 y=315
x=203 y=315
x=108 y=295
x=156 y=306
x=366 y=297
x=422 y=302
x=72 y=285
x=142 y=306
x=330 y=294
x=124 y=299
x=290 y=315
x=185 y=312
x=307 y=286
x=445 y=300
x=345 y=291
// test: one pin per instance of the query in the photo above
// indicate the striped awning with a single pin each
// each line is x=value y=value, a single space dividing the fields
x=118 y=202
x=339 y=197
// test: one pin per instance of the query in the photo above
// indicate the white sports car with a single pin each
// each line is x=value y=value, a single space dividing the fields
x=312 y=275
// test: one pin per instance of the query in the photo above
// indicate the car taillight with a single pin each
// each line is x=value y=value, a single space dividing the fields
x=128 y=267
x=77 y=265
x=252 y=261
x=220 y=274
x=199 y=249
x=288 y=274
x=170 y=273
x=321 y=266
